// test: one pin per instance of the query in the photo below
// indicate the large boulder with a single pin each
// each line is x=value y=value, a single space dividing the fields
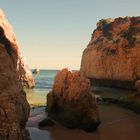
x=14 y=108
x=112 y=57
x=72 y=103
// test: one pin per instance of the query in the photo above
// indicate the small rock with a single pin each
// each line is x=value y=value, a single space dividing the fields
x=36 y=71
x=46 y=122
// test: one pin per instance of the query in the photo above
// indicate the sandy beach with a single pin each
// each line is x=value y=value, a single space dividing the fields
x=117 y=124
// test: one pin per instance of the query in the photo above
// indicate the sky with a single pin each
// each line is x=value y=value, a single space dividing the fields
x=53 y=33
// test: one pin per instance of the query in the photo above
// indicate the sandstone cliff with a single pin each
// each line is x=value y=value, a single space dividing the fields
x=25 y=75
x=72 y=102
x=14 y=108
x=112 y=57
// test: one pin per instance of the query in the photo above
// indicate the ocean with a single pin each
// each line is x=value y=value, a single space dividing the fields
x=44 y=82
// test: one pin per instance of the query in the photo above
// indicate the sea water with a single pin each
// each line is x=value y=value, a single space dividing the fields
x=43 y=85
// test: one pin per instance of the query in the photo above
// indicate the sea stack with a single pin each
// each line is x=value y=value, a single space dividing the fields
x=36 y=71
x=112 y=57
x=72 y=103
x=14 y=108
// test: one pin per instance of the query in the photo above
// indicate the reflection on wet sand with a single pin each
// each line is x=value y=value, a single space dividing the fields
x=117 y=124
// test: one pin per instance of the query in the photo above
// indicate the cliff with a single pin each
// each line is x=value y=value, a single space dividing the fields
x=24 y=73
x=14 y=108
x=112 y=57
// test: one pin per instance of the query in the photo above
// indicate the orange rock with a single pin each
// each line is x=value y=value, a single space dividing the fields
x=14 y=108
x=72 y=102
x=7 y=36
x=112 y=57
x=25 y=74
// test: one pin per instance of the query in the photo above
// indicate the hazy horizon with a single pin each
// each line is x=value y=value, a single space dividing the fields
x=53 y=34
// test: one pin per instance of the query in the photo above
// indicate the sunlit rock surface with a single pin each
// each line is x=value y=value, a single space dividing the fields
x=22 y=68
x=112 y=57
x=14 y=108
x=25 y=73
x=72 y=103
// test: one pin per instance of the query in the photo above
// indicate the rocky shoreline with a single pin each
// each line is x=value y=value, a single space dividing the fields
x=74 y=107
x=127 y=99
x=117 y=123
x=113 y=83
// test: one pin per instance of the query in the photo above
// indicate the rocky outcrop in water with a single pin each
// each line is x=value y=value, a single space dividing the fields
x=36 y=71
x=112 y=57
x=14 y=108
x=72 y=103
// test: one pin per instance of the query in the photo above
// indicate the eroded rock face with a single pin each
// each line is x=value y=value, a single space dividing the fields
x=72 y=102
x=25 y=74
x=14 y=108
x=112 y=57
x=8 y=36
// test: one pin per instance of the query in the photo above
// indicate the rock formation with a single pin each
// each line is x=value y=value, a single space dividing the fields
x=36 y=71
x=72 y=103
x=14 y=108
x=25 y=74
x=112 y=57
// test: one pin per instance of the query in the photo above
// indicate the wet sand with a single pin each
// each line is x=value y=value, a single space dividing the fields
x=112 y=92
x=116 y=124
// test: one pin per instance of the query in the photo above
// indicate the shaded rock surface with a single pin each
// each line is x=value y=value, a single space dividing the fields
x=14 y=108
x=112 y=56
x=46 y=122
x=72 y=103
x=137 y=86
